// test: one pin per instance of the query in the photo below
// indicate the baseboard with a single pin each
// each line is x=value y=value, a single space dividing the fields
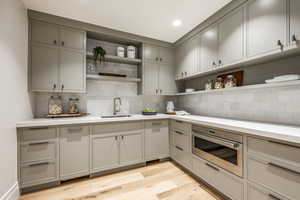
x=12 y=194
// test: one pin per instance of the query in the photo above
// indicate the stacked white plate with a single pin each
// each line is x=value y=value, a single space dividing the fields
x=290 y=77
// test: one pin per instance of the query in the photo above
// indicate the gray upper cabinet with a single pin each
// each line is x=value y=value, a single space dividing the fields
x=57 y=53
x=72 y=74
x=209 y=49
x=266 y=26
x=44 y=68
x=294 y=21
x=73 y=39
x=74 y=152
x=158 y=70
x=231 y=38
x=44 y=33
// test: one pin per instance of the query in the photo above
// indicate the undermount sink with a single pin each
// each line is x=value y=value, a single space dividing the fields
x=115 y=116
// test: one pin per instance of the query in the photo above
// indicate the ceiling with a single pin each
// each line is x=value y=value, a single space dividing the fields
x=149 y=18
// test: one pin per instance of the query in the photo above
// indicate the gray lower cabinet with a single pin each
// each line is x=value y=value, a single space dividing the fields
x=231 y=38
x=255 y=192
x=131 y=148
x=294 y=21
x=105 y=152
x=74 y=152
x=56 y=54
x=37 y=156
x=156 y=140
x=266 y=26
x=227 y=183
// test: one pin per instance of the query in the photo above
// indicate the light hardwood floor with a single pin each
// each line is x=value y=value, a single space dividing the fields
x=160 y=181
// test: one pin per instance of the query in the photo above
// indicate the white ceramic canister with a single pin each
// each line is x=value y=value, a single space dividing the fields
x=121 y=51
x=131 y=51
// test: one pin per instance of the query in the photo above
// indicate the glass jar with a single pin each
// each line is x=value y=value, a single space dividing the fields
x=219 y=83
x=55 y=105
x=230 y=81
x=73 y=106
x=209 y=85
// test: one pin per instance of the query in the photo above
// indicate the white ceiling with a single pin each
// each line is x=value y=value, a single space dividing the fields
x=150 y=18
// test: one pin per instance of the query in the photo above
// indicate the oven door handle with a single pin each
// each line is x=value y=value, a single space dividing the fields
x=221 y=141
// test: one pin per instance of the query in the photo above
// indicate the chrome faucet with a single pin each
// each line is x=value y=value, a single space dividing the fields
x=117 y=105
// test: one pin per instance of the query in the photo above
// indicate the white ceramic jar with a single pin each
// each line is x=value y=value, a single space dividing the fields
x=131 y=51
x=121 y=51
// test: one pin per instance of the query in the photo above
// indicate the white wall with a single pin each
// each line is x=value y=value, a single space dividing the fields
x=14 y=99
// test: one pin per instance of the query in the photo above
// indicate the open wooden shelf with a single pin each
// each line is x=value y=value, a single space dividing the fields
x=117 y=59
x=110 y=78
x=248 y=87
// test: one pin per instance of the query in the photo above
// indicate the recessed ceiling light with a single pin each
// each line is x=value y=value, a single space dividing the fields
x=177 y=22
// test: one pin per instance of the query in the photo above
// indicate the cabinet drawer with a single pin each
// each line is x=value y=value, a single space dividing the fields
x=179 y=125
x=226 y=183
x=118 y=127
x=156 y=124
x=182 y=157
x=259 y=193
x=275 y=177
x=38 y=173
x=33 y=152
x=274 y=150
x=180 y=140
x=38 y=134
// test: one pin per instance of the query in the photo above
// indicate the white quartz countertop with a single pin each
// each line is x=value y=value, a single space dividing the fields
x=274 y=131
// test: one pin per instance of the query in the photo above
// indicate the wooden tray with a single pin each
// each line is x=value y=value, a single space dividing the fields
x=67 y=115
x=170 y=113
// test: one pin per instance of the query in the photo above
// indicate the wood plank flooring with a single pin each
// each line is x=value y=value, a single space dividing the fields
x=159 y=181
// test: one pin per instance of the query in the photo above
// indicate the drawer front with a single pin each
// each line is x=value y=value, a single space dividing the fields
x=274 y=150
x=203 y=171
x=38 y=134
x=117 y=127
x=38 y=173
x=179 y=125
x=183 y=158
x=181 y=141
x=33 y=152
x=156 y=124
x=259 y=193
x=275 y=178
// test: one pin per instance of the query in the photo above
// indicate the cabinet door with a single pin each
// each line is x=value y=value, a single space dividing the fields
x=150 y=78
x=151 y=53
x=72 y=38
x=167 y=84
x=209 y=49
x=166 y=55
x=44 y=68
x=131 y=148
x=179 y=52
x=295 y=20
x=72 y=70
x=74 y=152
x=266 y=26
x=45 y=33
x=105 y=153
x=156 y=140
x=231 y=38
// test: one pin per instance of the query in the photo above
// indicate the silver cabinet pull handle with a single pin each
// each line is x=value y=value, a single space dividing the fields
x=274 y=197
x=116 y=137
x=122 y=137
x=289 y=145
x=294 y=38
x=160 y=59
x=156 y=123
x=179 y=148
x=156 y=58
x=220 y=62
x=38 y=164
x=62 y=87
x=214 y=64
x=178 y=121
x=54 y=86
x=55 y=42
x=38 y=143
x=63 y=43
x=178 y=132
x=39 y=128
x=74 y=129
x=213 y=167
x=283 y=168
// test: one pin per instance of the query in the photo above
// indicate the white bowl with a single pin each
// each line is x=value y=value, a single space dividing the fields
x=189 y=90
